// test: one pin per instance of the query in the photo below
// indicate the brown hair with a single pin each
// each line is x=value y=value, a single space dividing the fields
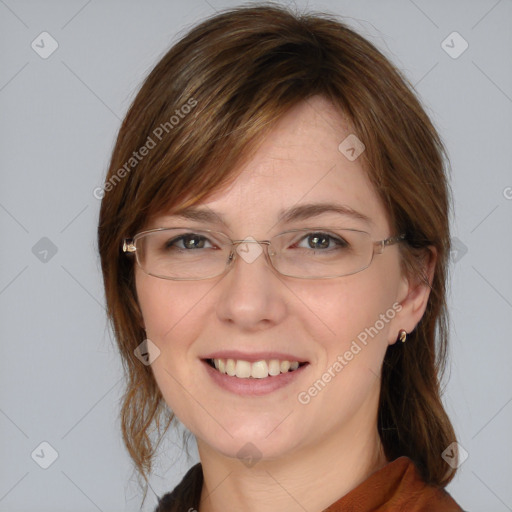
x=202 y=110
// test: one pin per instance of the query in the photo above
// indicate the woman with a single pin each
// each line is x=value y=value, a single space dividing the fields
x=274 y=239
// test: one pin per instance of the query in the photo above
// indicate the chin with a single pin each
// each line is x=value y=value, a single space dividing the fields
x=250 y=441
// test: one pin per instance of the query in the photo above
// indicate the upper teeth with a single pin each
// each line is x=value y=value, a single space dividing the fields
x=257 y=370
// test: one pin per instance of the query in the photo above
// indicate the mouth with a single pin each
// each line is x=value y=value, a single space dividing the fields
x=254 y=370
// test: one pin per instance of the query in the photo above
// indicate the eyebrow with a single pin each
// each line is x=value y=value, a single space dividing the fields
x=300 y=212
x=199 y=215
x=306 y=211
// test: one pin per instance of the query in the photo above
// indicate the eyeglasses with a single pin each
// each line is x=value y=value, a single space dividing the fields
x=184 y=253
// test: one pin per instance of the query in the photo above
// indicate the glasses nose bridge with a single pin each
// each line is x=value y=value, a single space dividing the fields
x=250 y=240
x=264 y=244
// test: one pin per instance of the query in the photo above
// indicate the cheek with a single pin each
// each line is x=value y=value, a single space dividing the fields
x=351 y=320
x=343 y=319
x=173 y=314
x=171 y=311
x=348 y=306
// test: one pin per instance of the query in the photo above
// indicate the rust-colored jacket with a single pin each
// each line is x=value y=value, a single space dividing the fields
x=397 y=487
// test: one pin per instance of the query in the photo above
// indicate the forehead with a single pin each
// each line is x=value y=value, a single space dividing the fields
x=299 y=162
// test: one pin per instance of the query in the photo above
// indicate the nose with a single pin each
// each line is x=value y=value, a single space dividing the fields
x=252 y=295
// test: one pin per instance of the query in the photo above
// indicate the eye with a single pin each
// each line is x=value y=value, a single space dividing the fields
x=189 y=241
x=321 y=241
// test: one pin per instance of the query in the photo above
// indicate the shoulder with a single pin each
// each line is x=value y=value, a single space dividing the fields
x=396 y=487
x=415 y=495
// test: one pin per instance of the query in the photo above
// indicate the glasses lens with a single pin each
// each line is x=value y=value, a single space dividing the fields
x=188 y=254
x=182 y=253
x=321 y=252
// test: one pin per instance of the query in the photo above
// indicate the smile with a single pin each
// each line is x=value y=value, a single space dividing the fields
x=253 y=370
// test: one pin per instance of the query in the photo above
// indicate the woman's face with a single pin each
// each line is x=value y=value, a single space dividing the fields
x=340 y=327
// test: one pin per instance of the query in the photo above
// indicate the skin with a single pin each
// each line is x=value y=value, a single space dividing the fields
x=312 y=454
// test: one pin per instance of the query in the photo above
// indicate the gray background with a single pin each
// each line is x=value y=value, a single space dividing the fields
x=60 y=374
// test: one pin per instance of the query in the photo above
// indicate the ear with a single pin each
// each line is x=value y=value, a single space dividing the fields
x=413 y=295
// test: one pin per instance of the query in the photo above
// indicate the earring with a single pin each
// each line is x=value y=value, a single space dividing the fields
x=402 y=334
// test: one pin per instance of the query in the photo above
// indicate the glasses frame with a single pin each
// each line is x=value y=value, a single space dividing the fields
x=129 y=247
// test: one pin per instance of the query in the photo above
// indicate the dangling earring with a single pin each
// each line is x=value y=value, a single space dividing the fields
x=402 y=334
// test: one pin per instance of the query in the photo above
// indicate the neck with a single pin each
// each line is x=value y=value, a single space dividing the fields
x=311 y=478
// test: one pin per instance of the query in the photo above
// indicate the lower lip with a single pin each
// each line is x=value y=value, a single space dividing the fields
x=251 y=386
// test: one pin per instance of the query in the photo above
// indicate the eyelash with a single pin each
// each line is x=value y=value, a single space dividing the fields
x=338 y=241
